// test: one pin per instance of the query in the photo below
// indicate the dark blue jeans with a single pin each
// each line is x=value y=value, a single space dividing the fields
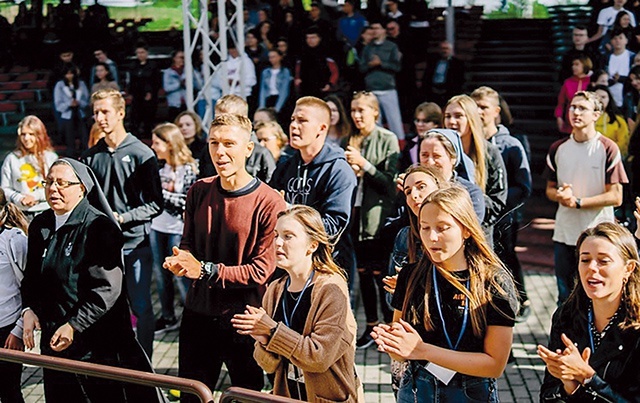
x=138 y=264
x=462 y=388
x=566 y=268
x=161 y=244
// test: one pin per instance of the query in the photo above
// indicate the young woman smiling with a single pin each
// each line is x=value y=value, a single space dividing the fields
x=594 y=347
x=25 y=168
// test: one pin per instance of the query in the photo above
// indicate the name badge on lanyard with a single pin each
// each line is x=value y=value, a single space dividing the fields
x=293 y=372
x=445 y=374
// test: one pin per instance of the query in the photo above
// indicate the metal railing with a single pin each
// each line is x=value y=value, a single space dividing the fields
x=235 y=394
x=114 y=373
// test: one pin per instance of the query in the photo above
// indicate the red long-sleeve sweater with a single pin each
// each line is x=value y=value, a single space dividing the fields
x=235 y=230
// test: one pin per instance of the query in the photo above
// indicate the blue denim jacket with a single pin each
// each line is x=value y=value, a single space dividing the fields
x=283 y=84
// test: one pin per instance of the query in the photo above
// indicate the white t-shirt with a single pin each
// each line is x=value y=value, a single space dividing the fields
x=588 y=166
x=273 y=82
x=619 y=64
x=607 y=17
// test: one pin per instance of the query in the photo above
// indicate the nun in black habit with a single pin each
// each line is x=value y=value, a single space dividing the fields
x=73 y=290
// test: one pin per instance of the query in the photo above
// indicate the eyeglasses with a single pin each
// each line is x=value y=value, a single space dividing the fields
x=60 y=183
x=418 y=121
x=579 y=108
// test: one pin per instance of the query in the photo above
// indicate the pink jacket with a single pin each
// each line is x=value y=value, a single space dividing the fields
x=571 y=85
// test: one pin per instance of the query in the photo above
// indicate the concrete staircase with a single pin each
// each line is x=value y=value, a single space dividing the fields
x=515 y=57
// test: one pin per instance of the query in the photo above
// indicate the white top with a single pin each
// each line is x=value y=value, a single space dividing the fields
x=273 y=82
x=13 y=257
x=21 y=176
x=607 y=17
x=619 y=64
x=588 y=166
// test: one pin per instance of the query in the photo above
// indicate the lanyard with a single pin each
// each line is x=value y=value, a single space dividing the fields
x=284 y=299
x=465 y=316
x=591 y=344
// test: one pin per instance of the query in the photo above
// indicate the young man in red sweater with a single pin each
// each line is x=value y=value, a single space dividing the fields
x=227 y=249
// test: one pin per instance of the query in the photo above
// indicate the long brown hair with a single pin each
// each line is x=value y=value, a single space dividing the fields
x=43 y=143
x=179 y=153
x=477 y=152
x=487 y=272
x=413 y=240
x=310 y=219
x=10 y=215
x=575 y=306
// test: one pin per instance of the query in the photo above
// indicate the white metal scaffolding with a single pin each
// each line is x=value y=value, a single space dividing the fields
x=198 y=37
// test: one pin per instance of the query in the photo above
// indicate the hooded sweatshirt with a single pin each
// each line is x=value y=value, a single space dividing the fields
x=516 y=164
x=327 y=184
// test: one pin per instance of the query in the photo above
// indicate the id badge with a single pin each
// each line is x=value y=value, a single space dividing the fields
x=295 y=374
x=443 y=374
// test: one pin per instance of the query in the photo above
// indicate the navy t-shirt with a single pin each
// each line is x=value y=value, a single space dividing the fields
x=453 y=302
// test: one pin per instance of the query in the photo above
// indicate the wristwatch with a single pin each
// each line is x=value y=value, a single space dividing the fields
x=206 y=269
x=578 y=203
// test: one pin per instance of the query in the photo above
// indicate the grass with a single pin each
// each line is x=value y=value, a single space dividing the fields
x=166 y=14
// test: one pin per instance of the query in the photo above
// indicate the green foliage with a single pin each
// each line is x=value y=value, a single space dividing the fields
x=515 y=9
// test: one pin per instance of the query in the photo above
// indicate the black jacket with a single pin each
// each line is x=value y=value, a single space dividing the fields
x=616 y=362
x=129 y=177
x=75 y=275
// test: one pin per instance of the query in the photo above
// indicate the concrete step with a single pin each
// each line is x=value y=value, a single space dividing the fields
x=511 y=66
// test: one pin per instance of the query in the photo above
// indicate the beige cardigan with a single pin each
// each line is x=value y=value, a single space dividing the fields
x=325 y=352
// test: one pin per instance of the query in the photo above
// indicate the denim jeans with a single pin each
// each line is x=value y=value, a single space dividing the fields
x=462 y=388
x=390 y=110
x=161 y=244
x=138 y=264
x=566 y=268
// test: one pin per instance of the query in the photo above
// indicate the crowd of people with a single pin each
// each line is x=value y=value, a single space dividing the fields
x=263 y=230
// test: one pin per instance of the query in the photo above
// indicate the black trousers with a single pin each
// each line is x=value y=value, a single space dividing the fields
x=10 y=374
x=205 y=343
x=505 y=237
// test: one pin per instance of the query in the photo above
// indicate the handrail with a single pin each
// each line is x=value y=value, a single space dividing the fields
x=236 y=394
x=108 y=372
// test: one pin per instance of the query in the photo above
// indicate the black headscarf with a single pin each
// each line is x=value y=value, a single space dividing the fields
x=94 y=194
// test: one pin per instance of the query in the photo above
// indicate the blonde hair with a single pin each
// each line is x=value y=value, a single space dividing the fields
x=621 y=238
x=43 y=143
x=318 y=104
x=230 y=119
x=487 y=273
x=486 y=93
x=591 y=97
x=179 y=152
x=310 y=219
x=274 y=128
x=232 y=104
x=117 y=100
x=369 y=99
x=477 y=152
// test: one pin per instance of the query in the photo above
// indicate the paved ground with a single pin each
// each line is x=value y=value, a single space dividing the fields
x=521 y=380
